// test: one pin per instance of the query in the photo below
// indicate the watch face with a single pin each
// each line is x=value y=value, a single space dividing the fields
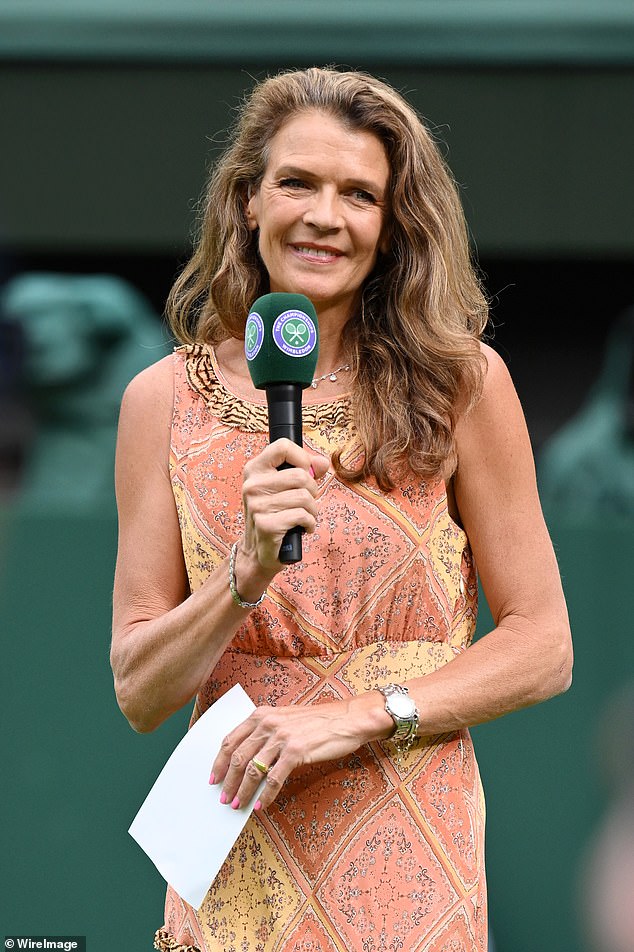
x=401 y=705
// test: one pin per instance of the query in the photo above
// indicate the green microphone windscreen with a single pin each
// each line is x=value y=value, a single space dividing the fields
x=281 y=340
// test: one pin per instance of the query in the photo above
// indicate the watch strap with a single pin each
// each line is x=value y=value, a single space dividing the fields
x=405 y=728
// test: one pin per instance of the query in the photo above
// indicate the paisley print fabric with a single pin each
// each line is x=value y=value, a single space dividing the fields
x=361 y=853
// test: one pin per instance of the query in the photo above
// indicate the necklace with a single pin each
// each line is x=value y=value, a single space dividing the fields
x=331 y=375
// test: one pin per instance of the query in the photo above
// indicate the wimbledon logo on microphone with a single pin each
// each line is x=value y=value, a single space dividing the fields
x=253 y=335
x=294 y=333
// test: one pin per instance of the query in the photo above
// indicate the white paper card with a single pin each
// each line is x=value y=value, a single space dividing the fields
x=182 y=826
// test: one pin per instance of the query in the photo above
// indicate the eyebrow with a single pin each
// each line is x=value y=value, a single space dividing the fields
x=294 y=171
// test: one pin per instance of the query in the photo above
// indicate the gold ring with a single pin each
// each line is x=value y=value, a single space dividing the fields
x=260 y=766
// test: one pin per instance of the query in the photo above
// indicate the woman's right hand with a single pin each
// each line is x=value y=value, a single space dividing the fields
x=275 y=500
x=166 y=641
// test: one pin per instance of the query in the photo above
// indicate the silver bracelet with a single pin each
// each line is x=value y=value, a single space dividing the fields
x=232 y=582
x=403 y=749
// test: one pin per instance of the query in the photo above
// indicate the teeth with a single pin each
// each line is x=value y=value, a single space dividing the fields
x=317 y=252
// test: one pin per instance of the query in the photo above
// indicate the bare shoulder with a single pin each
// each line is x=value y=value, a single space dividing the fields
x=149 y=397
x=153 y=385
x=498 y=384
x=497 y=418
x=495 y=471
x=145 y=420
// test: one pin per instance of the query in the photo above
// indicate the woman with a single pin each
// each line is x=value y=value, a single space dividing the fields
x=416 y=467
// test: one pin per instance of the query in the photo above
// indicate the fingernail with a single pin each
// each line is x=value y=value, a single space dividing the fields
x=311 y=471
x=223 y=797
x=212 y=779
x=235 y=803
x=258 y=805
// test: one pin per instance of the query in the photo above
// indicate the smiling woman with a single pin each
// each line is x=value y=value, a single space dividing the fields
x=416 y=467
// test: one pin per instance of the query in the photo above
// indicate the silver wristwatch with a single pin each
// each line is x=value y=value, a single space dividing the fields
x=403 y=712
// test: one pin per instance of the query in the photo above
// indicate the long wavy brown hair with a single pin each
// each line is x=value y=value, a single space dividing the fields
x=414 y=342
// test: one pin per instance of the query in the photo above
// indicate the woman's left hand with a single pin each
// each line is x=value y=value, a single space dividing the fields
x=284 y=738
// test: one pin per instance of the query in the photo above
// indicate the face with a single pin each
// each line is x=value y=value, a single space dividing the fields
x=321 y=210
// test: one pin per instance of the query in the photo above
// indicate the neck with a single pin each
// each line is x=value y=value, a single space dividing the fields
x=331 y=352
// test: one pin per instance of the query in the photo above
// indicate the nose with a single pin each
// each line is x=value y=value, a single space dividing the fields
x=324 y=211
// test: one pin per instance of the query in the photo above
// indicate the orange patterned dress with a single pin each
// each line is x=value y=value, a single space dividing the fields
x=361 y=853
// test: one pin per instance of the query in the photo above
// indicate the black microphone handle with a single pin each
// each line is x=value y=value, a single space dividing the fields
x=285 y=421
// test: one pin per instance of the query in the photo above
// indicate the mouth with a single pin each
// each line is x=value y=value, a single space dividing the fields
x=317 y=252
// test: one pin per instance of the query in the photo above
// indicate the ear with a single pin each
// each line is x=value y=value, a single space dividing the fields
x=250 y=203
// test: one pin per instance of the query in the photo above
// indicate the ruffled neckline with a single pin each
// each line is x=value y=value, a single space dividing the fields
x=204 y=378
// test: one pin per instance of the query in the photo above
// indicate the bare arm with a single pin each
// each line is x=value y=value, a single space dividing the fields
x=166 y=642
x=527 y=657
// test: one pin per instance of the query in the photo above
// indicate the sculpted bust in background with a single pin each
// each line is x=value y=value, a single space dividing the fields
x=83 y=339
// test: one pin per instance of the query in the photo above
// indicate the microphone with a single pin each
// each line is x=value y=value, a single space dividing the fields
x=281 y=343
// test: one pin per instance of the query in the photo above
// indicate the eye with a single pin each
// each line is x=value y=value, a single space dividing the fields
x=293 y=183
x=361 y=195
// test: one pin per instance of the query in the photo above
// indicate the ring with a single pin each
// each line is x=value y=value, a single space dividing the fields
x=260 y=766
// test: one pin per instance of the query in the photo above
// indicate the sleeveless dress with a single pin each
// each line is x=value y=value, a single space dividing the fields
x=362 y=853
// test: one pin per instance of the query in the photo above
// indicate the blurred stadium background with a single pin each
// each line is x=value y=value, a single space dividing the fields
x=110 y=114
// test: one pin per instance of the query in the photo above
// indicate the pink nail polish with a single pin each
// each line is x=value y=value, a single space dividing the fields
x=258 y=805
x=223 y=797
x=212 y=779
x=235 y=803
x=312 y=473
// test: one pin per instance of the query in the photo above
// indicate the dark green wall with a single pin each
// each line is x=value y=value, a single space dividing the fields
x=74 y=773
x=248 y=31
x=113 y=156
